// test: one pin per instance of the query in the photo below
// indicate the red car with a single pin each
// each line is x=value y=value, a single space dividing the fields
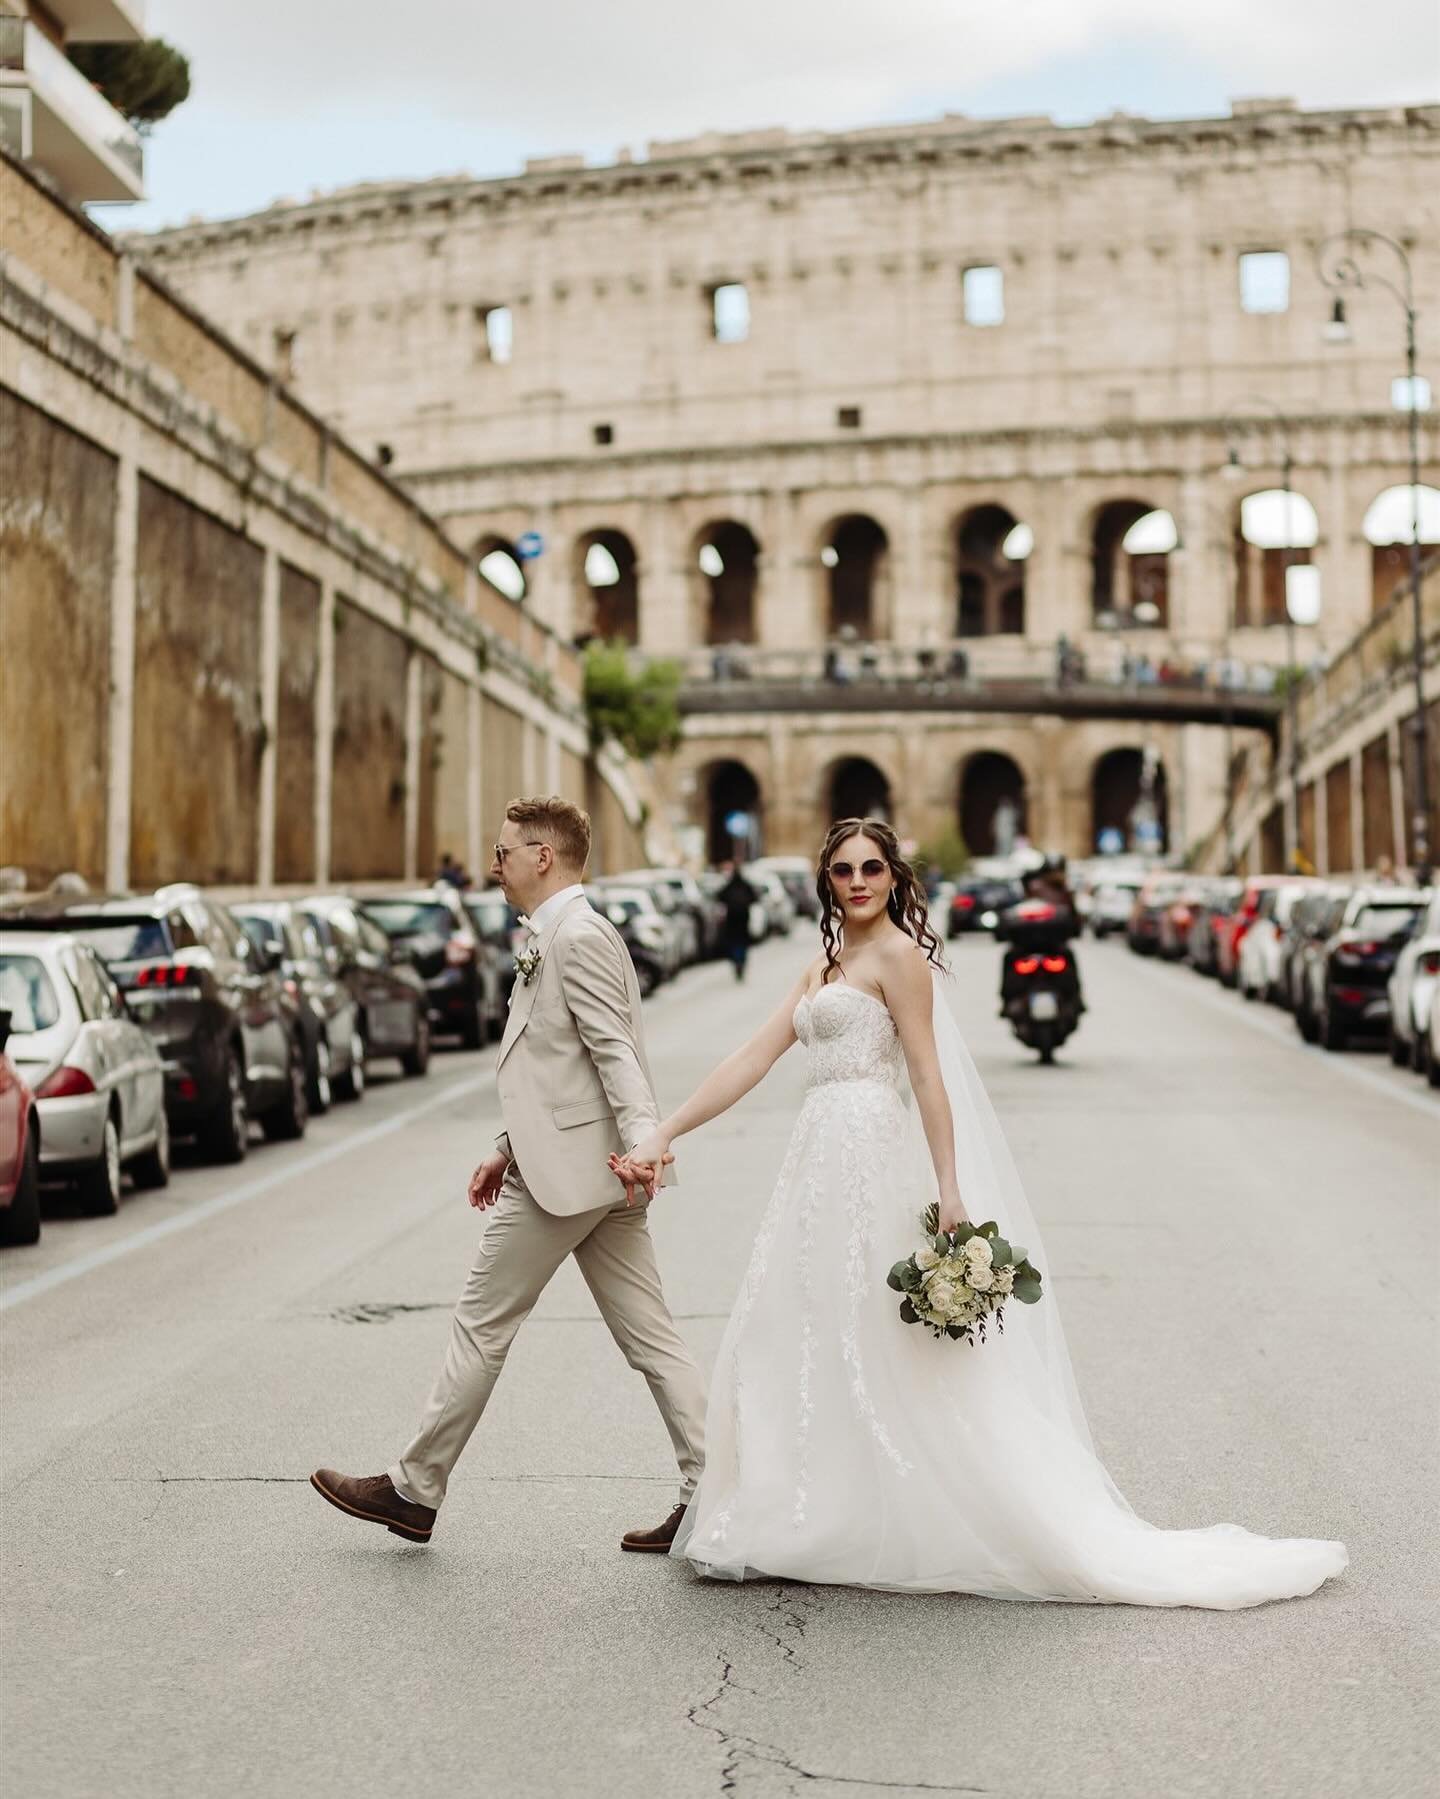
x=1230 y=932
x=19 y=1152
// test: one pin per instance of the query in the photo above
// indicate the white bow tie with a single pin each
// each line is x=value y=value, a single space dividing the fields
x=528 y=925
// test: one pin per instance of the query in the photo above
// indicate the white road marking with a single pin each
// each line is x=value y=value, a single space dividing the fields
x=222 y=1202
x=1246 y=1014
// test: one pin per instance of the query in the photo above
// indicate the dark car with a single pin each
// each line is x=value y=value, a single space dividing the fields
x=227 y=1032
x=393 y=1009
x=1218 y=904
x=432 y=930
x=633 y=913
x=977 y=903
x=498 y=923
x=1156 y=892
x=286 y=941
x=1306 y=928
x=19 y=1152
x=1348 y=971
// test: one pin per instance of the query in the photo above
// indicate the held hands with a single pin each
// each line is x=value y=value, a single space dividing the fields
x=485 y=1182
x=643 y=1166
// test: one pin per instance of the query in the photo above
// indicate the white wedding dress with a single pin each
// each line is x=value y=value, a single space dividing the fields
x=847 y=1447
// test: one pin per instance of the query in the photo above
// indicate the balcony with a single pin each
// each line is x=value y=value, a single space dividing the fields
x=51 y=116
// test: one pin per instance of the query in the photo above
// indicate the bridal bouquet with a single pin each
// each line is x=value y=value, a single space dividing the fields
x=958 y=1281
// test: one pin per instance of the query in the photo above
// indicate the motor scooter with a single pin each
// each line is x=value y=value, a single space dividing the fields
x=1039 y=977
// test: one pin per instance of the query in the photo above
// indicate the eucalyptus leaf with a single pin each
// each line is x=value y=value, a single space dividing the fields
x=896 y=1276
x=941 y=1245
x=999 y=1250
x=908 y=1312
x=1027 y=1291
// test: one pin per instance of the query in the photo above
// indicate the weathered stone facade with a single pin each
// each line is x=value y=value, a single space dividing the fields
x=953 y=328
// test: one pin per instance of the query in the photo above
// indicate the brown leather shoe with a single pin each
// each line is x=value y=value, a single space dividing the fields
x=658 y=1540
x=373 y=1498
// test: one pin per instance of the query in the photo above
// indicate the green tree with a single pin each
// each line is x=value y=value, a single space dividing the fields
x=638 y=709
x=945 y=853
x=144 y=81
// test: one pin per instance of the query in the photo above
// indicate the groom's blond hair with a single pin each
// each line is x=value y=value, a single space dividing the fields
x=555 y=821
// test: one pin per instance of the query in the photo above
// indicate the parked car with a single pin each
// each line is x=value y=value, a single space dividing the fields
x=1231 y=936
x=390 y=997
x=462 y=972
x=633 y=912
x=1347 y=972
x=19 y=1151
x=96 y=1077
x=694 y=915
x=797 y=874
x=227 y=1033
x=1307 y=926
x=1111 y=901
x=498 y=923
x=286 y=942
x=1413 y=983
x=978 y=901
x=779 y=911
x=1260 y=969
x=1430 y=1054
x=1154 y=894
x=1215 y=905
x=1176 y=919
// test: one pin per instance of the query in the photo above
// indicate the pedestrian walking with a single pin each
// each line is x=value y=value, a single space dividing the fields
x=738 y=898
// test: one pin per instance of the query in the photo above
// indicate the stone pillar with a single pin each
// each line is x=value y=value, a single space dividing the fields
x=324 y=734
x=1055 y=600
x=1344 y=558
x=1357 y=810
x=915 y=615
x=1398 y=821
x=121 y=752
x=552 y=724
x=664 y=585
x=412 y=764
x=476 y=853
x=1193 y=624
x=1322 y=825
x=269 y=714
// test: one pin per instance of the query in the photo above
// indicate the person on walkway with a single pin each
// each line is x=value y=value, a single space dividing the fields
x=738 y=898
x=575 y=1087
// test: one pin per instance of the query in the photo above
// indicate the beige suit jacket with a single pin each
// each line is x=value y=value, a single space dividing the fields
x=572 y=1075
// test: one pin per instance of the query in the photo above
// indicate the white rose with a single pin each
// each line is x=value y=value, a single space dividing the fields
x=978 y=1250
x=926 y=1259
x=981 y=1276
x=940 y=1296
x=1004 y=1280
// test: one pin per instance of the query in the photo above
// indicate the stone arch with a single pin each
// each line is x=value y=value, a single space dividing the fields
x=725 y=565
x=991 y=546
x=606 y=577
x=991 y=803
x=1129 y=793
x=731 y=789
x=856 y=787
x=1130 y=545
x=498 y=563
x=1274 y=531
x=855 y=560
x=1389 y=526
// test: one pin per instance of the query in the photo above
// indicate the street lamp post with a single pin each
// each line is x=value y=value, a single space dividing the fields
x=1287 y=468
x=1340 y=269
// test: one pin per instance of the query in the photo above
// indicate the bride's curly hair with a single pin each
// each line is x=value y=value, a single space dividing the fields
x=907 y=897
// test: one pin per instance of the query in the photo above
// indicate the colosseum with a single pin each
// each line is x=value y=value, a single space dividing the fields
x=967 y=466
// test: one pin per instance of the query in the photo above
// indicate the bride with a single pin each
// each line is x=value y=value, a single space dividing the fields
x=845 y=1446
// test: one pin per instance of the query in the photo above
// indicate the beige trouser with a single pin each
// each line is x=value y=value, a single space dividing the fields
x=520 y=1249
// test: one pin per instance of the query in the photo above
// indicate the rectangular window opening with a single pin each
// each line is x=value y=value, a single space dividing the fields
x=983 y=290
x=604 y=434
x=848 y=418
x=499 y=325
x=730 y=312
x=1264 y=281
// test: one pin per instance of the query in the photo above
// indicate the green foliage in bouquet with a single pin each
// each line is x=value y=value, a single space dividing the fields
x=960 y=1280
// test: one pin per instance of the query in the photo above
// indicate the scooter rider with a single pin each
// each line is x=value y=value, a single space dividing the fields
x=1047 y=885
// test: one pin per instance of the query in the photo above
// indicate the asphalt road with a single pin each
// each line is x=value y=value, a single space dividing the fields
x=1243 y=1240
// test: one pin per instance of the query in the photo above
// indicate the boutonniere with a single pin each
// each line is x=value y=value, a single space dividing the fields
x=527 y=964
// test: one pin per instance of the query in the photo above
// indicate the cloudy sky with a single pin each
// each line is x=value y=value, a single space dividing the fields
x=290 y=96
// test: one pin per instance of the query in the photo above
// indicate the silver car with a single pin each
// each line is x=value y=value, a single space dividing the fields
x=96 y=1076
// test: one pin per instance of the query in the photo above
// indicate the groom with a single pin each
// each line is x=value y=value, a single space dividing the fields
x=575 y=1089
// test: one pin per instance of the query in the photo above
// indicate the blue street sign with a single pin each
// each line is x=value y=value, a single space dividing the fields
x=529 y=545
x=1111 y=841
x=738 y=824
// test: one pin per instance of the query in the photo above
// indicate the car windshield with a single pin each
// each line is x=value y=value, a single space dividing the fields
x=121 y=939
x=631 y=904
x=410 y=918
x=1385 y=919
x=27 y=995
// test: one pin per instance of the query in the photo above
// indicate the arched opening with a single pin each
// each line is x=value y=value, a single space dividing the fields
x=991 y=548
x=1131 y=543
x=1275 y=531
x=1129 y=803
x=992 y=804
x=607 y=588
x=497 y=562
x=1389 y=529
x=858 y=789
x=854 y=558
x=727 y=564
x=733 y=828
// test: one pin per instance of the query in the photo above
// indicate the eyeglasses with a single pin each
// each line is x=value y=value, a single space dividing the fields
x=872 y=870
x=503 y=850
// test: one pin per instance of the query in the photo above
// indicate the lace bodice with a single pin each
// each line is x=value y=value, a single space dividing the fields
x=850 y=1036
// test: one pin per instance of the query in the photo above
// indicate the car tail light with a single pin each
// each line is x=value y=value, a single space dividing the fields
x=1430 y=962
x=65 y=1083
x=1034 y=911
x=459 y=951
x=168 y=974
x=1027 y=964
x=964 y=902
x=187 y=1088
x=1054 y=964
x=1351 y=996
